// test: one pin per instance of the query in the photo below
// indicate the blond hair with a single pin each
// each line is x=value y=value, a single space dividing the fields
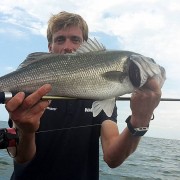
x=65 y=19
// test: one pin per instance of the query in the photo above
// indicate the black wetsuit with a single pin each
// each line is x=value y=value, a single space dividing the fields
x=67 y=144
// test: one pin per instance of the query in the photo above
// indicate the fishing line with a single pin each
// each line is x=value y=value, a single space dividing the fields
x=8 y=95
x=68 y=128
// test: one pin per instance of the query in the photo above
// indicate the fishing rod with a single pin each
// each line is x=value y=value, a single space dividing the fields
x=4 y=96
x=162 y=99
x=9 y=137
x=117 y=98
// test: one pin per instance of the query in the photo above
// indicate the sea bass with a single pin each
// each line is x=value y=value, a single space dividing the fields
x=92 y=72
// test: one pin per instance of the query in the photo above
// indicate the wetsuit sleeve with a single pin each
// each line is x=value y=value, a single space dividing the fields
x=102 y=116
x=18 y=170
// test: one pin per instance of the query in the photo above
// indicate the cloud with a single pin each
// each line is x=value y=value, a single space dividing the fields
x=6 y=70
x=150 y=27
x=10 y=68
x=126 y=19
x=15 y=33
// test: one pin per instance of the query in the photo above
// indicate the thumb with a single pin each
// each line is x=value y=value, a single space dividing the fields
x=153 y=85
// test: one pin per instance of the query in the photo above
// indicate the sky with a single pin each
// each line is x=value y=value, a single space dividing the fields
x=148 y=27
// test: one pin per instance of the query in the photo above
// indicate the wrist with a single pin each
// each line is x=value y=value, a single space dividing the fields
x=139 y=122
x=136 y=131
x=26 y=137
x=26 y=148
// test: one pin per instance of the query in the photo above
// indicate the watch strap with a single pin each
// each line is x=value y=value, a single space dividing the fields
x=140 y=131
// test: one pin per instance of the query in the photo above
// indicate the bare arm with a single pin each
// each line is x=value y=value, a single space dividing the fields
x=117 y=147
x=26 y=113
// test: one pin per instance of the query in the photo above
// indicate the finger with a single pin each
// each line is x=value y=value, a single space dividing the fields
x=32 y=99
x=30 y=115
x=40 y=107
x=152 y=85
x=15 y=102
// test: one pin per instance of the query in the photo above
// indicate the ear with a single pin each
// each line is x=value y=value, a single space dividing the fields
x=50 y=47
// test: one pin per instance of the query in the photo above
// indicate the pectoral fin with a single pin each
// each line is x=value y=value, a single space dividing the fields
x=114 y=76
x=106 y=105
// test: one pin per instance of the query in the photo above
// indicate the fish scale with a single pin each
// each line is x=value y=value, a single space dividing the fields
x=97 y=74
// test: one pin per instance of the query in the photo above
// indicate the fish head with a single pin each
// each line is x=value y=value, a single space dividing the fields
x=141 y=68
x=161 y=77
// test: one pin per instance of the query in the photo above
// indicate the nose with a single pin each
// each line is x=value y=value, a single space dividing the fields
x=68 y=46
x=67 y=50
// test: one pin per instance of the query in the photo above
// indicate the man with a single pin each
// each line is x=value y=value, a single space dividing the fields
x=59 y=139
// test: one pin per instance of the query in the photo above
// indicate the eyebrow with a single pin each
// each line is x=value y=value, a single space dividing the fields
x=73 y=36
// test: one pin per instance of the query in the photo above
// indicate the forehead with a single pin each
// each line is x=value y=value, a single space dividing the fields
x=69 y=31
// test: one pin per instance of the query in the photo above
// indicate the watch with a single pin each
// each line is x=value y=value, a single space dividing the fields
x=140 y=131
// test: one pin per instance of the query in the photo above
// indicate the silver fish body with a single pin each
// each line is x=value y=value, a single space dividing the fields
x=93 y=74
x=80 y=76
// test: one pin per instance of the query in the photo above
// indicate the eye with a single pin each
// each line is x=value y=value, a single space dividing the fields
x=60 y=39
x=76 y=39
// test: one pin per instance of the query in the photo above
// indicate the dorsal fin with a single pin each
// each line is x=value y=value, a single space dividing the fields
x=87 y=46
x=33 y=57
x=90 y=46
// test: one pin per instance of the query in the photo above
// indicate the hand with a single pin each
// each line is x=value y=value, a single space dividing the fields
x=27 y=111
x=143 y=102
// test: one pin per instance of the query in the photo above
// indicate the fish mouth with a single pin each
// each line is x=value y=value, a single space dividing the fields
x=134 y=74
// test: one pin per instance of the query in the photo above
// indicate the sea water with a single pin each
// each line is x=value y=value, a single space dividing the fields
x=154 y=159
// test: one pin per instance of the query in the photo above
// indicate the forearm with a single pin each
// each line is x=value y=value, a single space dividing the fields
x=26 y=148
x=117 y=147
x=120 y=148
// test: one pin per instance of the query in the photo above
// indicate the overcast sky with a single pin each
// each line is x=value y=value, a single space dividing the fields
x=148 y=27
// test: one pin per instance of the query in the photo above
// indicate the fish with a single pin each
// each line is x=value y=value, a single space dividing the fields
x=91 y=72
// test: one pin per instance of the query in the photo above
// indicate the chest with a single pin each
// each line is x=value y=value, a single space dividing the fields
x=68 y=114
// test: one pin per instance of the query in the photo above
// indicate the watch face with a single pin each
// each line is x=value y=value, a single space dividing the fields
x=141 y=129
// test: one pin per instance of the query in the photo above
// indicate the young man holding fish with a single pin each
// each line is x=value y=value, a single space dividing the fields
x=60 y=139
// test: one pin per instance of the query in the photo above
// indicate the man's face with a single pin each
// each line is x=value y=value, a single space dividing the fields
x=66 y=40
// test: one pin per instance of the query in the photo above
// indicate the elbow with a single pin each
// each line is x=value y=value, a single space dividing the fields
x=113 y=162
